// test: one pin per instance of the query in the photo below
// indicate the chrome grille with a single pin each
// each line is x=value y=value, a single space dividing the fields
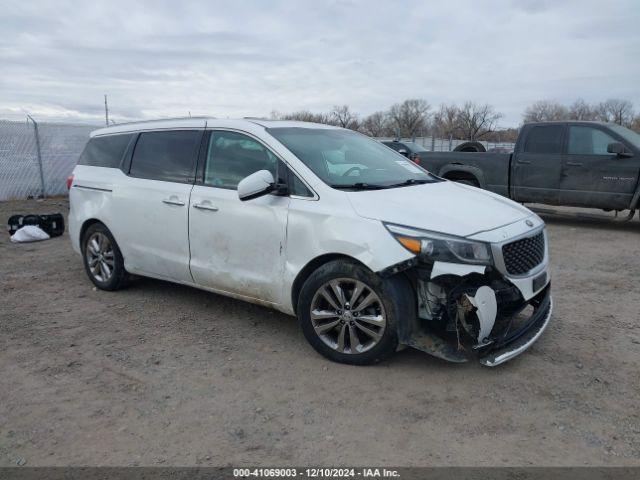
x=524 y=255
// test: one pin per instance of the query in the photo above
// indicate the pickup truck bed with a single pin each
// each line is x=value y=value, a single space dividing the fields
x=579 y=164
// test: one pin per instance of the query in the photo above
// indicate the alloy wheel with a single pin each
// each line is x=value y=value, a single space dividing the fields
x=100 y=258
x=348 y=316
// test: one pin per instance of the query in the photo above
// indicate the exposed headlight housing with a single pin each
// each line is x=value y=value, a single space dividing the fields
x=436 y=246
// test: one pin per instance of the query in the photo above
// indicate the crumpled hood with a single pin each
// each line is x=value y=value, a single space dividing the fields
x=444 y=207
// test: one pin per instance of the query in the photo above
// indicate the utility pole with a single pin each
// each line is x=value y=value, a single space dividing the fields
x=106 y=110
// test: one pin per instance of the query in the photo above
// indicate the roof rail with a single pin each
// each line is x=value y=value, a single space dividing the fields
x=197 y=117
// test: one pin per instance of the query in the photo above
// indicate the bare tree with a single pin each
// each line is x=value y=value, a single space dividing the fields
x=505 y=135
x=342 y=116
x=377 y=125
x=445 y=121
x=410 y=117
x=616 y=110
x=581 y=110
x=545 y=111
x=635 y=124
x=475 y=120
x=304 y=116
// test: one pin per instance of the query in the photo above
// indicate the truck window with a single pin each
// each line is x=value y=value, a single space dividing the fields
x=105 y=151
x=168 y=156
x=544 y=139
x=588 y=141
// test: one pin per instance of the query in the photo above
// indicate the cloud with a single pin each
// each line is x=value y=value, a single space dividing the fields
x=252 y=57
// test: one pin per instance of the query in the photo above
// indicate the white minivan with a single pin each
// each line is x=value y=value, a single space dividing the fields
x=370 y=251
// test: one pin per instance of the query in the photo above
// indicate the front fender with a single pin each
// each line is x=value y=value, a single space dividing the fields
x=313 y=234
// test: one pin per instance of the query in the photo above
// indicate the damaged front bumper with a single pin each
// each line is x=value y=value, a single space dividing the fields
x=520 y=340
x=475 y=312
x=480 y=319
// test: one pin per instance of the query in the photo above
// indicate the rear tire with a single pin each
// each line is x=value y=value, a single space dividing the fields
x=350 y=315
x=102 y=258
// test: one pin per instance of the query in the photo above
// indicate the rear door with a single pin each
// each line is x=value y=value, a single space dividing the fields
x=237 y=247
x=537 y=165
x=152 y=204
x=592 y=177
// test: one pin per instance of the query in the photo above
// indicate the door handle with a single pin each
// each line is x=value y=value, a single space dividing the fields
x=171 y=201
x=574 y=164
x=526 y=162
x=205 y=206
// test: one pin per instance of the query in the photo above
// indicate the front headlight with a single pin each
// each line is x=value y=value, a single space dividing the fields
x=444 y=248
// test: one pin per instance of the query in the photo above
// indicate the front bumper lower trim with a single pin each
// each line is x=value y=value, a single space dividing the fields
x=521 y=344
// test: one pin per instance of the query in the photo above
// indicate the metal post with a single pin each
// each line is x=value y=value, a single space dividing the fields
x=433 y=143
x=450 y=142
x=106 y=110
x=39 y=153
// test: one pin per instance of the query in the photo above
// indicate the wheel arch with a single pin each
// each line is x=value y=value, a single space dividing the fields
x=635 y=201
x=86 y=224
x=311 y=267
x=462 y=172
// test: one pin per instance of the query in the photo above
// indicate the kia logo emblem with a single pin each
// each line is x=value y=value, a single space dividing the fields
x=529 y=223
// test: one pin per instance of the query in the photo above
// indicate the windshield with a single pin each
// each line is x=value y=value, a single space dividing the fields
x=629 y=135
x=346 y=159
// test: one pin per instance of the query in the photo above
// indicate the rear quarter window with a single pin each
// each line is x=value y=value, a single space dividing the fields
x=169 y=156
x=106 y=151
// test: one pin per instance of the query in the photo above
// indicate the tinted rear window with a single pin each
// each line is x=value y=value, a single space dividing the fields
x=544 y=139
x=105 y=151
x=168 y=156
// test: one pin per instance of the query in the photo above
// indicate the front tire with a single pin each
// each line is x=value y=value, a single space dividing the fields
x=103 y=260
x=349 y=314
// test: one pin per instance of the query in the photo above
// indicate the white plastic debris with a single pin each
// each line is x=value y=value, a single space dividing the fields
x=29 y=233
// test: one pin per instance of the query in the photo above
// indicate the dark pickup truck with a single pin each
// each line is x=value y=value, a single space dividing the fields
x=580 y=164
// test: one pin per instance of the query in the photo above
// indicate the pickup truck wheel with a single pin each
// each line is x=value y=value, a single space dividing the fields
x=349 y=314
x=103 y=260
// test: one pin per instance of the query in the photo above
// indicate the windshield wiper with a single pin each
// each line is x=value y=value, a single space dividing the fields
x=360 y=186
x=411 y=181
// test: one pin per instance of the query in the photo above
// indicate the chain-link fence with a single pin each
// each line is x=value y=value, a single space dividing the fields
x=435 y=144
x=37 y=158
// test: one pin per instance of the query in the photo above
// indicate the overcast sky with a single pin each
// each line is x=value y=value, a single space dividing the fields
x=249 y=58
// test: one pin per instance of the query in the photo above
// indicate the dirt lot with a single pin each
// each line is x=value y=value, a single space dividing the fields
x=161 y=374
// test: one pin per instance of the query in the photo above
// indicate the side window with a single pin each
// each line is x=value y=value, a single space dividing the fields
x=296 y=187
x=544 y=139
x=588 y=141
x=169 y=156
x=106 y=151
x=233 y=156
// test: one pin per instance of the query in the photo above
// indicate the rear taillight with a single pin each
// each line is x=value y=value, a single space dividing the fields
x=69 y=181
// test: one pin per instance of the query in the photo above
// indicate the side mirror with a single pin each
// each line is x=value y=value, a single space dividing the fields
x=619 y=149
x=402 y=151
x=255 y=185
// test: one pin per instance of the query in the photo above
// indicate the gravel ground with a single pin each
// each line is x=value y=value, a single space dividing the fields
x=161 y=374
